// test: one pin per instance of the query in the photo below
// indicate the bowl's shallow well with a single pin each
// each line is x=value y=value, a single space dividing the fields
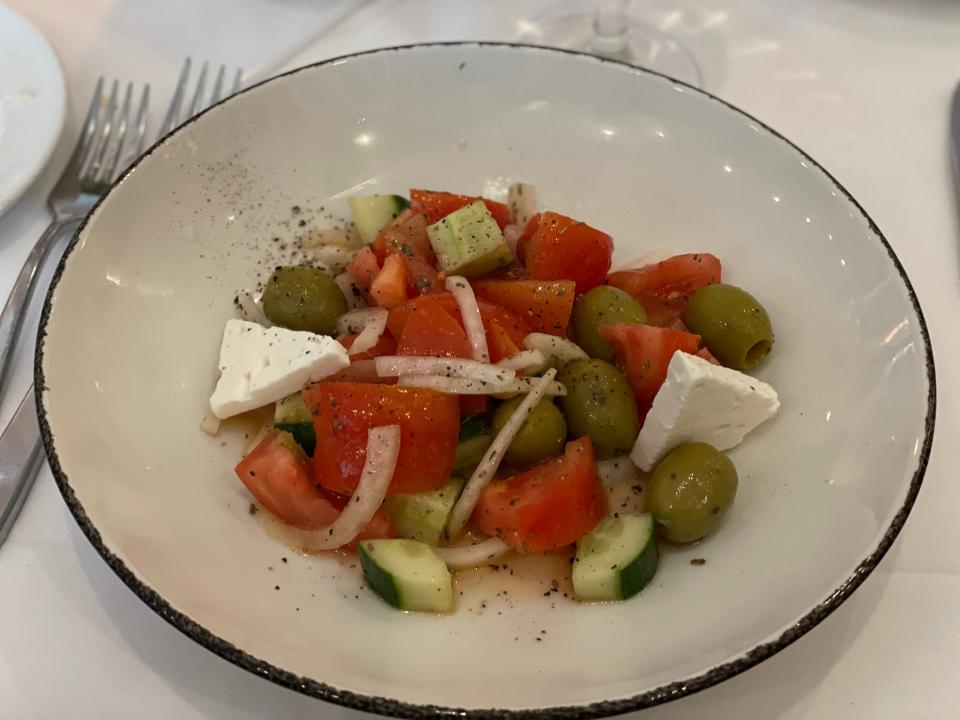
x=133 y=325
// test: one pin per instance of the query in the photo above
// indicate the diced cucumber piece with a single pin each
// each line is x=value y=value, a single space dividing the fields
x=407 y=574
x=285 y=440
x=292 y=416
x=475 y=438
x=473 y=426
x=468 y=242
x=617 y=559
x=371 y=213
x=292 y=409
x=423 y=516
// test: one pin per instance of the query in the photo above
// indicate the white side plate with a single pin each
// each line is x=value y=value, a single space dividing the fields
x=32 y=104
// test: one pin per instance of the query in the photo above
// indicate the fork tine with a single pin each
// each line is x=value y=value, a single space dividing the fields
x=141 y=123
x=102 y=137
x=117 y=139
x=81 y=152
x=137 y=131
x=173 y=113
x=237 y=82
x=218 y=85
x=196 y=103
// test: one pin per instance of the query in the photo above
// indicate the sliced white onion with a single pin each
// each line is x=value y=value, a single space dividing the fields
x=333 y=257
x=343 y=236
x=470 y=556
x=492 y=458
x=524 y=360
x=397 y=365
x=512 y=233
x=656 y=254
x=383 y=448
x=258 y=438
x=558 y=351
x=470 y=312
x=522 y=202
x=372 y=330
x=210 y=424
x=466 y=386
x=250 y=308
x=356 y=298
x=362 y=371
x=616 y=470
x=355 y=321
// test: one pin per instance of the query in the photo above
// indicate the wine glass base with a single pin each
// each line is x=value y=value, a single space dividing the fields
x=642 y=45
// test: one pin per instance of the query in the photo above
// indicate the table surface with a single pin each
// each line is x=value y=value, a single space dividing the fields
x=861 y=85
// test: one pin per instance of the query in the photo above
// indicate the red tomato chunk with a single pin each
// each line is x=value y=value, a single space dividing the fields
x=643 y=352
x=664 y=288
x=279 y=478
x=505 y=329
x=556 y=247
x=548 y=506
x=545 y=305
x=437 y=205
x=430 y=329
x=344 y=412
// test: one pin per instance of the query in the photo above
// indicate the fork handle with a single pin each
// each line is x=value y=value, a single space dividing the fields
x=21 y=456
x=18 y=302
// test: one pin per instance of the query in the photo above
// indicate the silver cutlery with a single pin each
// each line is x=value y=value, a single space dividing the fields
x=177 y=114
x=106 y=148
x=93 y=165
x=20 y=459
x=955 y=140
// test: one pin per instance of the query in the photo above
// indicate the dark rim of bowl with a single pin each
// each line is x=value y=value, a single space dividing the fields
x=386 y=706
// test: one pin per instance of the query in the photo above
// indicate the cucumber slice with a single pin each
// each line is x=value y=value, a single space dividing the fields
x=617 y=559
x=285 y=439
x=475 y=438
x=423 y=516
x=473 y=426
x=468 y=242
x=371 y=213
x=407 y=574
x=292 y=416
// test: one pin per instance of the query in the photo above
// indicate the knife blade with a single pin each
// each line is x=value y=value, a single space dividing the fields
x=955 y=140
x=21 y=456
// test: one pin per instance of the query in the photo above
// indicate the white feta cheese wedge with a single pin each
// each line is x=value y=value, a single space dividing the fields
x=702 y=402
x=260 y=365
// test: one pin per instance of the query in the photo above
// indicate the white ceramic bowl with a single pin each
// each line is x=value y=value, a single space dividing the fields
x=131 y=329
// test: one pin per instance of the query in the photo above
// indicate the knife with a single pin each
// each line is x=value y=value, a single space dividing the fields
x=955 y=139
x=21 y=456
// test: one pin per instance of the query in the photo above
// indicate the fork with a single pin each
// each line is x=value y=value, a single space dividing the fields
x=91 y=168
x=101 y=155
x=175 y=113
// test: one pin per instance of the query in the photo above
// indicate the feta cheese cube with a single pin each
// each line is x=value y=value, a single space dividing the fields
x=260 y=365
x=702 y=402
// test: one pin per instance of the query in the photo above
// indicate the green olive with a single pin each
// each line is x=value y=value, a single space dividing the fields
x=691 y=489
x=733 y=324
x=304 y=298
x=600 y=404
x=602 y=306
x=540 y=437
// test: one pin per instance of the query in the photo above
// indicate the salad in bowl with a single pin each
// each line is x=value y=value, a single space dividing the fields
x=472 y=380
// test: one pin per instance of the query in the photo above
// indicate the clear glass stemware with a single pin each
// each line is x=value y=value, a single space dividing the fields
x=611 y=31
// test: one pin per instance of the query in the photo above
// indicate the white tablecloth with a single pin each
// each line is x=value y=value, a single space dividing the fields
x=862 y=85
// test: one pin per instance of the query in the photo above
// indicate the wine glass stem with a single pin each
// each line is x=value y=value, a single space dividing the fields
x=610 y=27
